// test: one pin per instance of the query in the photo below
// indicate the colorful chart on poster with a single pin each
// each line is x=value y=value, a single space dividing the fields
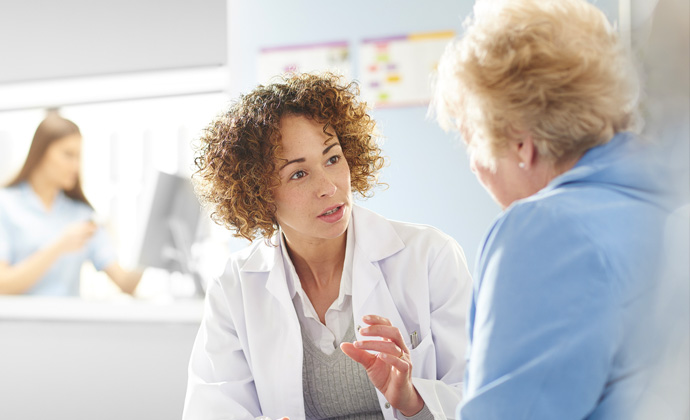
x=395 y=71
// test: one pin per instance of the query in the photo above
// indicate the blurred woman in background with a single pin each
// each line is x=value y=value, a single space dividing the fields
x=545 y=97
x=46 y=223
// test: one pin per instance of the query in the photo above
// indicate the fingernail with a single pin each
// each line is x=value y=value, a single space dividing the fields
x=357 y=344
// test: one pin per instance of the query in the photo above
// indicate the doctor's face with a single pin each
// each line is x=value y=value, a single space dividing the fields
x=314 y=198
x=61 y=162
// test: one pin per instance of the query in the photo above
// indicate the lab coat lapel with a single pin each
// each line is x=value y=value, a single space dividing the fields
x=375 y=240
x=276 y=283
x=268 y=259
x=280 y=341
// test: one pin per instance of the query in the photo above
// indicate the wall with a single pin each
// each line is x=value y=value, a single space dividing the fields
x=72 y=38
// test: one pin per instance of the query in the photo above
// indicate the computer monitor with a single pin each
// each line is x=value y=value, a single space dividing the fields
x=172 y=220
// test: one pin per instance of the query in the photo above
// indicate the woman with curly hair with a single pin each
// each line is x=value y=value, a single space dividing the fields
x=337 y=312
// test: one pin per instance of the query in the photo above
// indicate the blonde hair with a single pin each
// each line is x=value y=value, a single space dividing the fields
x=555 y=69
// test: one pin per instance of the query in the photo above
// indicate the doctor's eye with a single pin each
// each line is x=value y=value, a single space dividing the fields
x=298 y=175
x=333 y=160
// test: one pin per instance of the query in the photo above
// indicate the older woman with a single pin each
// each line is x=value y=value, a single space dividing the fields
x=282 y=165
x=544 y=97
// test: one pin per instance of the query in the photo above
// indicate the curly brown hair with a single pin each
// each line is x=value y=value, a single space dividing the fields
x=236 y=159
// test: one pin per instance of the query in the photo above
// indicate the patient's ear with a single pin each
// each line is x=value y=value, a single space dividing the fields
x=525 y=150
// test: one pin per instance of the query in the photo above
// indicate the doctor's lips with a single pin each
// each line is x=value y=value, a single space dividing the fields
x=332 y=214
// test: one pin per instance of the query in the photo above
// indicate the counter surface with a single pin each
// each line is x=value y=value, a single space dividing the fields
x=125 y=309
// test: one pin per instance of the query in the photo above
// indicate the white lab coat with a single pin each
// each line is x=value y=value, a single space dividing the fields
x=247 y=358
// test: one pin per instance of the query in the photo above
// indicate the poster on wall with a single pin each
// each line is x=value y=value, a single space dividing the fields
x=331 y=56
x=395 y=71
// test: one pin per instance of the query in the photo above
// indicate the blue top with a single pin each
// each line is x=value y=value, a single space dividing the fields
x=26 y=226
x=562 y=282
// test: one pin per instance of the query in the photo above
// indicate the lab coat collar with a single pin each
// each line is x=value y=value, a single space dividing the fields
x=375 y=240
x=375 y=235
x=267 y=258
x=262 y=256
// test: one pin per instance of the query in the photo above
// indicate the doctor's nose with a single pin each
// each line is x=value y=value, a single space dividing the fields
x=326 y=186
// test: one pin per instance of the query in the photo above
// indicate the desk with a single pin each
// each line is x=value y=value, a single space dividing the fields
x=63 y=358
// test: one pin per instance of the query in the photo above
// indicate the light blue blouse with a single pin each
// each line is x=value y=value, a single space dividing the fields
x=563 y=285
x=26 y=226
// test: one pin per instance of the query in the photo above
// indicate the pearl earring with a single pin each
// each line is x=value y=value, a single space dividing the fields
x=521 y=165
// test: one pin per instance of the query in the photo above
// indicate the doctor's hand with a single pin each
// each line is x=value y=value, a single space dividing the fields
x=390 y=370
x=75 y=236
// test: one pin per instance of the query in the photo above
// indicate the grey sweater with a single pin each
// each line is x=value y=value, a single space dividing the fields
x=335 y=386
